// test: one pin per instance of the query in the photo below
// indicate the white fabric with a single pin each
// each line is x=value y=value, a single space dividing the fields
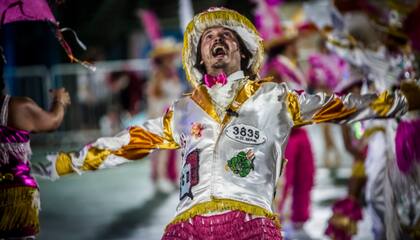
x=113 y=143
x=185 y=12
x=380 y=66
x=222 y=95
x=4 y=110
x=266 y=111
x=18 y=150
x=262 y=111
x=264 y=116
x=375 y=165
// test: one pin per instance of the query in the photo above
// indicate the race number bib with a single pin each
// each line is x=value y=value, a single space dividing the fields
x=245 y=134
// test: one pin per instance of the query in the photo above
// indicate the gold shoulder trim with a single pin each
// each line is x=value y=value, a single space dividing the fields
x=202 y=98
x=382 y=104
x=294 y=109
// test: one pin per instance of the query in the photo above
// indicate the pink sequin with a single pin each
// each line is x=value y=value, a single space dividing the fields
x=228 y=226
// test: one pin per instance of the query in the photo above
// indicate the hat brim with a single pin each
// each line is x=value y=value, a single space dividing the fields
x=163 y=52
x=279 y=41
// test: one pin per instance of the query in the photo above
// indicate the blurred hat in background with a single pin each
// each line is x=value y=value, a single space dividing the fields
x=165 y=47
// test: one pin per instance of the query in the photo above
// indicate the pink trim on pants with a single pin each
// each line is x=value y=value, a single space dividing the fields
x=299 y=175
x=227 y=226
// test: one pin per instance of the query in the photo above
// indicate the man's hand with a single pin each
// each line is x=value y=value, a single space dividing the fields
x=61 y=96
x=411 y=91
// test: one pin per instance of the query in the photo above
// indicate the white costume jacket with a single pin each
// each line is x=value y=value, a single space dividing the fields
x=231 y=163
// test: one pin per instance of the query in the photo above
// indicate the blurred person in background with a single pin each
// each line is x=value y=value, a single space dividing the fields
x=124 y=102
x=164 y=87
x=297 y=182
x=111 y=123
x=355 y=143
x=380 y=50
x=325 y=71
x=127 y=89
x=295 y=185
x=92 y=94
x=19 y=193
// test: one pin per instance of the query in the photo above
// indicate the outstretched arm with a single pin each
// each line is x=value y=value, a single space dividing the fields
x=27 y=115
x=131 y=144
x=309 y=109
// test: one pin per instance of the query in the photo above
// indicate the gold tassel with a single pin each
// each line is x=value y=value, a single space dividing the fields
x=17 y=209
x=382 y=104
x=293 y=107
x=370 y=131
x=344 y=223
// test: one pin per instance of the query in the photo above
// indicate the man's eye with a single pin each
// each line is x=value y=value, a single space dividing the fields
x=209 y=36
x=227 y=34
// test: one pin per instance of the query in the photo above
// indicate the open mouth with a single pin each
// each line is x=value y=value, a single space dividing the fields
x=219 y=50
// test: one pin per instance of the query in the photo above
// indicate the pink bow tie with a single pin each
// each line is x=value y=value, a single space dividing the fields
x=211 y=80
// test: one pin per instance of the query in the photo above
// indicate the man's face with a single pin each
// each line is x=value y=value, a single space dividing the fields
x=220 y=50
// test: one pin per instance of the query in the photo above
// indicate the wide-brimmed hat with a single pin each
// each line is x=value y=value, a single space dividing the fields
x=220 y=17
x=289 y=34
x=165 y=47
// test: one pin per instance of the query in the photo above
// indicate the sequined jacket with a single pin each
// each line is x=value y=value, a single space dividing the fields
x=231 y=163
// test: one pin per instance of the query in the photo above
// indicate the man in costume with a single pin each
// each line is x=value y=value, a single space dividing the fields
x=232 y=131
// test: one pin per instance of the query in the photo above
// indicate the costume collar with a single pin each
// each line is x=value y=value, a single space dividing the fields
x=223 y=95
x=201 y=97
x=236 y=76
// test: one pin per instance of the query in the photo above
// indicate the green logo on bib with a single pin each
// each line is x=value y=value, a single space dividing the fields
x=242 y=163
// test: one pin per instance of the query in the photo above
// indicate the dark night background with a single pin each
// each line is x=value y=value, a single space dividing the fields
x=102 y=25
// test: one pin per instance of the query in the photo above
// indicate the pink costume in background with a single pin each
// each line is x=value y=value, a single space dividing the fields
x=19 y=198
x=299 y=175
x=326 y=70
x=300 y=168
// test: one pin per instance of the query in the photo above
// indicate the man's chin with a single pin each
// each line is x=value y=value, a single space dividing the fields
x=220 y=64
x=220 y=61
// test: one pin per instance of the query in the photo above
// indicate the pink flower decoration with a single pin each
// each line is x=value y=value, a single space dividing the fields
x=196 y=129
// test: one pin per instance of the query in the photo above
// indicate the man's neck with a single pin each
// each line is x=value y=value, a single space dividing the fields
x=222 y=96
x=217 y=71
